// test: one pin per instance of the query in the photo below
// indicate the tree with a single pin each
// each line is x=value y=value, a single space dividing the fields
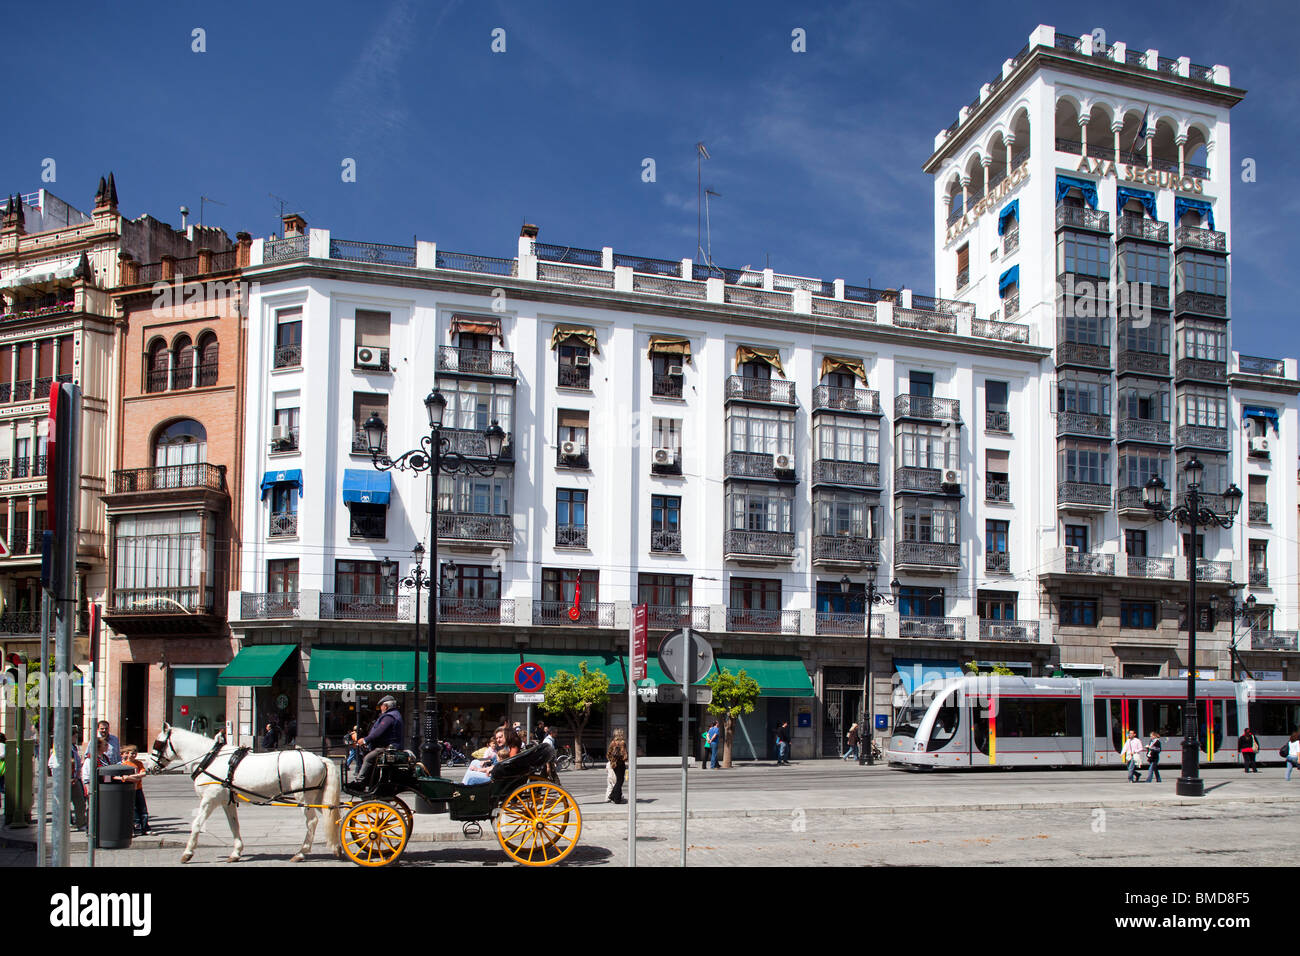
x=574 y=697
x=1001 y=670
x=733 y=695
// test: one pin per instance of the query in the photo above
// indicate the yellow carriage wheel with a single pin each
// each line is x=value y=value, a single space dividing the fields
x=539 y=824
x=374 y=833
x=405 y=811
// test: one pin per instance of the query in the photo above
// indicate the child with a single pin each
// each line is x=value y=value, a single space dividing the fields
x=130 y=754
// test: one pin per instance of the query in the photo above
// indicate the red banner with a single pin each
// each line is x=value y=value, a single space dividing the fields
x=640 y=633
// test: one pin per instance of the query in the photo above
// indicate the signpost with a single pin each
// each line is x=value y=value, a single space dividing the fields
x=686 y=657
x=637 y=635
x=530 y=679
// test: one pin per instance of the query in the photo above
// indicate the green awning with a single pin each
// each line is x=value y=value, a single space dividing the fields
x=255 y=666
x=392 y=669
x=608 y=663
x=777 y=676
x=654 y=672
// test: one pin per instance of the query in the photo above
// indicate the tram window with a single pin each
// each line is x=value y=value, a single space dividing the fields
x=1230 y=725
x=1273 y=718
x=946 y=721
x=908 y=720
x=980 y=728
x=1099 y=722
x=1165 y=716
x=1035 y=718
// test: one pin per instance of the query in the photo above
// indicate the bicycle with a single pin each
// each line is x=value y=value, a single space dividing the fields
x=564 y=759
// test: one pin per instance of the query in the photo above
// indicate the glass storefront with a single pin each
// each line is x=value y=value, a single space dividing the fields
x=197 y=703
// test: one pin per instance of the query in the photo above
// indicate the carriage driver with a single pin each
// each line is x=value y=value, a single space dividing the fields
x=388 y=729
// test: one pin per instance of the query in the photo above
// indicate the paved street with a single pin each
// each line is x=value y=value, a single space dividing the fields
x=824 y=813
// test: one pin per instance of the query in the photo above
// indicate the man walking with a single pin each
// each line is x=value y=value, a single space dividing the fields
x=715 y=744
x=783 y=744
x=1133 y=750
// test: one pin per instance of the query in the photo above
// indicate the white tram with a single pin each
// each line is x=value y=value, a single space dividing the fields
x=989 y=721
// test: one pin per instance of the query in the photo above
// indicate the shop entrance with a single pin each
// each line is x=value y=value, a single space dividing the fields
x=135 y=694
x=660 y=725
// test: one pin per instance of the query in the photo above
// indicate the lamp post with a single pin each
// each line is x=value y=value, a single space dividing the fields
x=1190 y=511
x=417 y=580
x=873 y=597
x=435 y=455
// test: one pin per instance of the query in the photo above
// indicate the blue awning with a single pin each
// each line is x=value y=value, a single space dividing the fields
x=1010 y=209
x=1148 y=199
x=1259 y=411
x=1086 y=186
x=291 y=476
x=366 y=486
x=1194 y=205
x=914 y=673
x=1008 y=278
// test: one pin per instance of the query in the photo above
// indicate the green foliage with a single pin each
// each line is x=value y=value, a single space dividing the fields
x=1001 y=670
x=733 y=694
x=574 y=695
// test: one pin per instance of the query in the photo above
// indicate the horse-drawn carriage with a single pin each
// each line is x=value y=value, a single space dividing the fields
x=537 y=821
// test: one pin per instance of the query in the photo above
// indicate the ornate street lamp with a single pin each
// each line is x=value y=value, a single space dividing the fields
x=1190 y=511
x=873 y=598
x=435 y=455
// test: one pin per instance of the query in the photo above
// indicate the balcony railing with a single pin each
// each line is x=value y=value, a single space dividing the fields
x=925 y=321
x=666 y=542
x=666 y=285
x=1074 y=146
x=576 y=457
x=927 y=554
x=1198 y=436
x=1199 y=302
x=1201 y=370
x=283 y=250
x=1143 y=363
x=472 y=443
x=1140 y=566
x=454 y=526
x=996 y=489
x=846 y=399
x=998 y=561
x=963 y=278
x=937 y=628
x=574 y=376
x=574 y=275
x=670 y=465
x=775 y=391
x=476 y=361
x=846 y=548
x=1089 y=562
x=925 y=480
x=1255 y=365
x=843 y=308
x=1025 y=632
x=762 y=621
x=288 y=356
x=20 y=622
x=1083 y=493
x=932 y=409
x=1194 y=237
x=1257 y=512
x=851 y=473
x=178 y=600
x=1000 y=331
x=365 y=607
x=1079 y=353
x=1141 y=429
x=745 y=464
x=283 y=524
x=1213 y=500
x=1082 y=217
x=666 y=386
x=1011 y=306
x=668 y=618
x=589 y=614
x=271 y=605
x=170 y=478
x=462 y=610
x=997 y=420
x=1217 y=571
x=468 y=262
x=22 y=391
x=848 y=624
x=763 y=544
x=377 y=252
x=1010 y=241
x=1079 y=423
x=1139 y=227
x=1259 y=577
x=1261 y=640
x=570 y=536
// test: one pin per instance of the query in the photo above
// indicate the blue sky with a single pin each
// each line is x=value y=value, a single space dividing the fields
x=816 y=156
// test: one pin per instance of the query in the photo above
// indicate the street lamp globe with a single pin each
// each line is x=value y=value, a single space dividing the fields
x=845 y=584
x=418 y=552
x=1232 y=500
x=436 y=406
x=374 y=428
x=894 y=588
x=1153 y=493
x=1194 y=470
x=496 y=438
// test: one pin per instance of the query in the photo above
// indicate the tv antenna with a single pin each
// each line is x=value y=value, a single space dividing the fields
x=204 y=200
x=709 y=225
x=283 y=203
x=701 y=154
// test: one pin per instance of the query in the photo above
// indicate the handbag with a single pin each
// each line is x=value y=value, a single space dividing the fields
x=1284 y=750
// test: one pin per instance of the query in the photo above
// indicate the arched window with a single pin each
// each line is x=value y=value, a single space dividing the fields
x=156 y=367
x=181 y=443
x=182 y=362
x=208 y=359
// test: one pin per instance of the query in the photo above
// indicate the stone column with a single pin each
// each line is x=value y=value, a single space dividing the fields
x=1181 y=140
x=1083 y=135
x=1010 y=140
x=986 y=162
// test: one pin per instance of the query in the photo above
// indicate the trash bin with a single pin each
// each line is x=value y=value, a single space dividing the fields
x=116 y=814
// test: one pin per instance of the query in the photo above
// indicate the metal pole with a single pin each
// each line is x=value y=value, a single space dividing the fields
x=92 y=822
x=431 y=755
x=67 y=511
x=415 y=652
x=43 y=732
x=631 y=745
x=1189 y=780
x=864 y=734
x=686 y=727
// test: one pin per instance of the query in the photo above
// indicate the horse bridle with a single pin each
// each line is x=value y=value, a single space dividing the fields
x=161 y=760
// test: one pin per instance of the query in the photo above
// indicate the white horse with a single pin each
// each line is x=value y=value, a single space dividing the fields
x=294 y=775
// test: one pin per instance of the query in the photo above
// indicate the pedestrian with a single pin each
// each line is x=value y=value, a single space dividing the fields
x=291 y=733
x=114 y=746
x=93 y=762
x=715 y=743
x=76 y=791
x=1292 y=754
x=616 y=754
x=1248 y=747
x=270 y=738
x=353 y=760
x=3 y=741
x=1153 y=755
x=853 y=738
x=1133 y=755
x=783 y=744
x=130 y=756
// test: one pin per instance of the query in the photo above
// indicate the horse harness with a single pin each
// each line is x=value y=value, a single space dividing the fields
x=229 y=780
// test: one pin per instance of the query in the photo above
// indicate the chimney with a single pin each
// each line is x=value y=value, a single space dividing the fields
x=529 y=231
x=129 y=268
x=294 y=225
x=244 y=243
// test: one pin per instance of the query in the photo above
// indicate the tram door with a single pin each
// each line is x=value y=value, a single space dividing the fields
x=1216 y=723
x=841 y=708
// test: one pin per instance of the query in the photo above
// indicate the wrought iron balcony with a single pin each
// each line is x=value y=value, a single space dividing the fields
x=937 y=628
x=376 y=252
x=1194 y=237
x=1198 y=436
x=666 y=386
x=927 y=408
x=468 y=262
x=997 y=489
x=1079 y=423
x=22 y=391
x=852 y=474
x=1089 y=562
x=666 y=542
x=1259 y=577
x=1200 y=370
x=476 y=362
x=158 y=601
x=1216 y=571
x=1130 y=500
x=574 y=458
x=1143 y=429
x=1074 y=146
x=925 y=321
x=1202 y=304
x=1255 y=365
x=997 y=420
x=1010 y=241
x=1011 y=306
x=923 y=480
x=472 y=443
x=1025 y=632
x=845 y=549
x=762 y=621
x=463 y=610
x=927 y=554
x=1257 y=512
x=269 y=605
x=999 y=561
x=1274 y=640
x=283 y=524
x=1082 y=217
x=571 y=536
x=170 y=478
x=1079 y=353
x=283 y=250
x=288 y=356
x=365 y=607
x=1141 y=566
x=1000 y=331
x=1140 y=227
x=1213 y=500
x=862 y=400
x=467 y=527
x=574 y=376
x=963 y=278
x=1083 y=493
x=771 y=391
x=1143 y=363
x=762 y=544
x=669 y=617
x=848 y=624
x=589 y=614
x=745 y=464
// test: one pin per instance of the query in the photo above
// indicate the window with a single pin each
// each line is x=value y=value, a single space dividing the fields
x=928 y=520
x=372 y=334
x=997 y=605
x=762 y=431
x=920 y=602
x=1259 y=563
x=1143 y=402
x=182 y=362
x=1076 y=537
x=1203 y=341
x=1137 y=467
x=1187 y=545
x=155 y=566
x=362 y=579
x=1135 y=543
x=920 y=384
x=209 y=363
x=666 y=375
x=963 y=266
x=1078 y=612
x=926 y=446
x=839 y=380
x=363 y=406
x=1215 y=479
x=1257 y=498
x=473 y=406
x=288 y=338
x=570 y=518
x=995 y=396
x=559 y=584
x=157 y=366
x=1146 y=265
x=1089 y=464
x=571 y=437
x=1083 y=254
x=1081 y=326
x=282 y=576
x=1151 y=336
x=831 y=599
x=1137 y=614
x=667 y=433
x=474 y=495
x=995 y=536
x=842 y=513
x=666 y=524
x=755 y=369
x=284 y=510
x=1202 y=272
x=1082 y=393
x=664 y=590
x=472 y=581
x=1205 y=620
x=181 y=443
x=756 y=594
x=997 y=475
x=847 y=438
x=368 y=521
x=763 y=508
x=574 y=364
x=286 y=428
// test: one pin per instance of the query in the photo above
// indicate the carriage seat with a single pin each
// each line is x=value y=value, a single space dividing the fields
x=531 y=760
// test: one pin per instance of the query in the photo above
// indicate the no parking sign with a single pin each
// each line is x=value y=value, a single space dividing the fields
x=530 y=678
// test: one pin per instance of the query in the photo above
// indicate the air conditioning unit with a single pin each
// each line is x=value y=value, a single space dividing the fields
x=662 y=456
x=1259 y=445
x=675 y=371
x=582 y=361
x=784 y=463
x=279 y=434
x=570 y=449
x=952 y=478
x=369 y=357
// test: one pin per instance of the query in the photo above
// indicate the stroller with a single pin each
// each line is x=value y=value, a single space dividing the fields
x=451 y=757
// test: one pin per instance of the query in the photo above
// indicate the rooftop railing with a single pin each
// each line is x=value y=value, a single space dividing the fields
x=1257 y=365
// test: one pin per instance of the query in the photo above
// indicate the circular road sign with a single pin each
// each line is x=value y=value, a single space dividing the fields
x=529 y=677
x=675 y=648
